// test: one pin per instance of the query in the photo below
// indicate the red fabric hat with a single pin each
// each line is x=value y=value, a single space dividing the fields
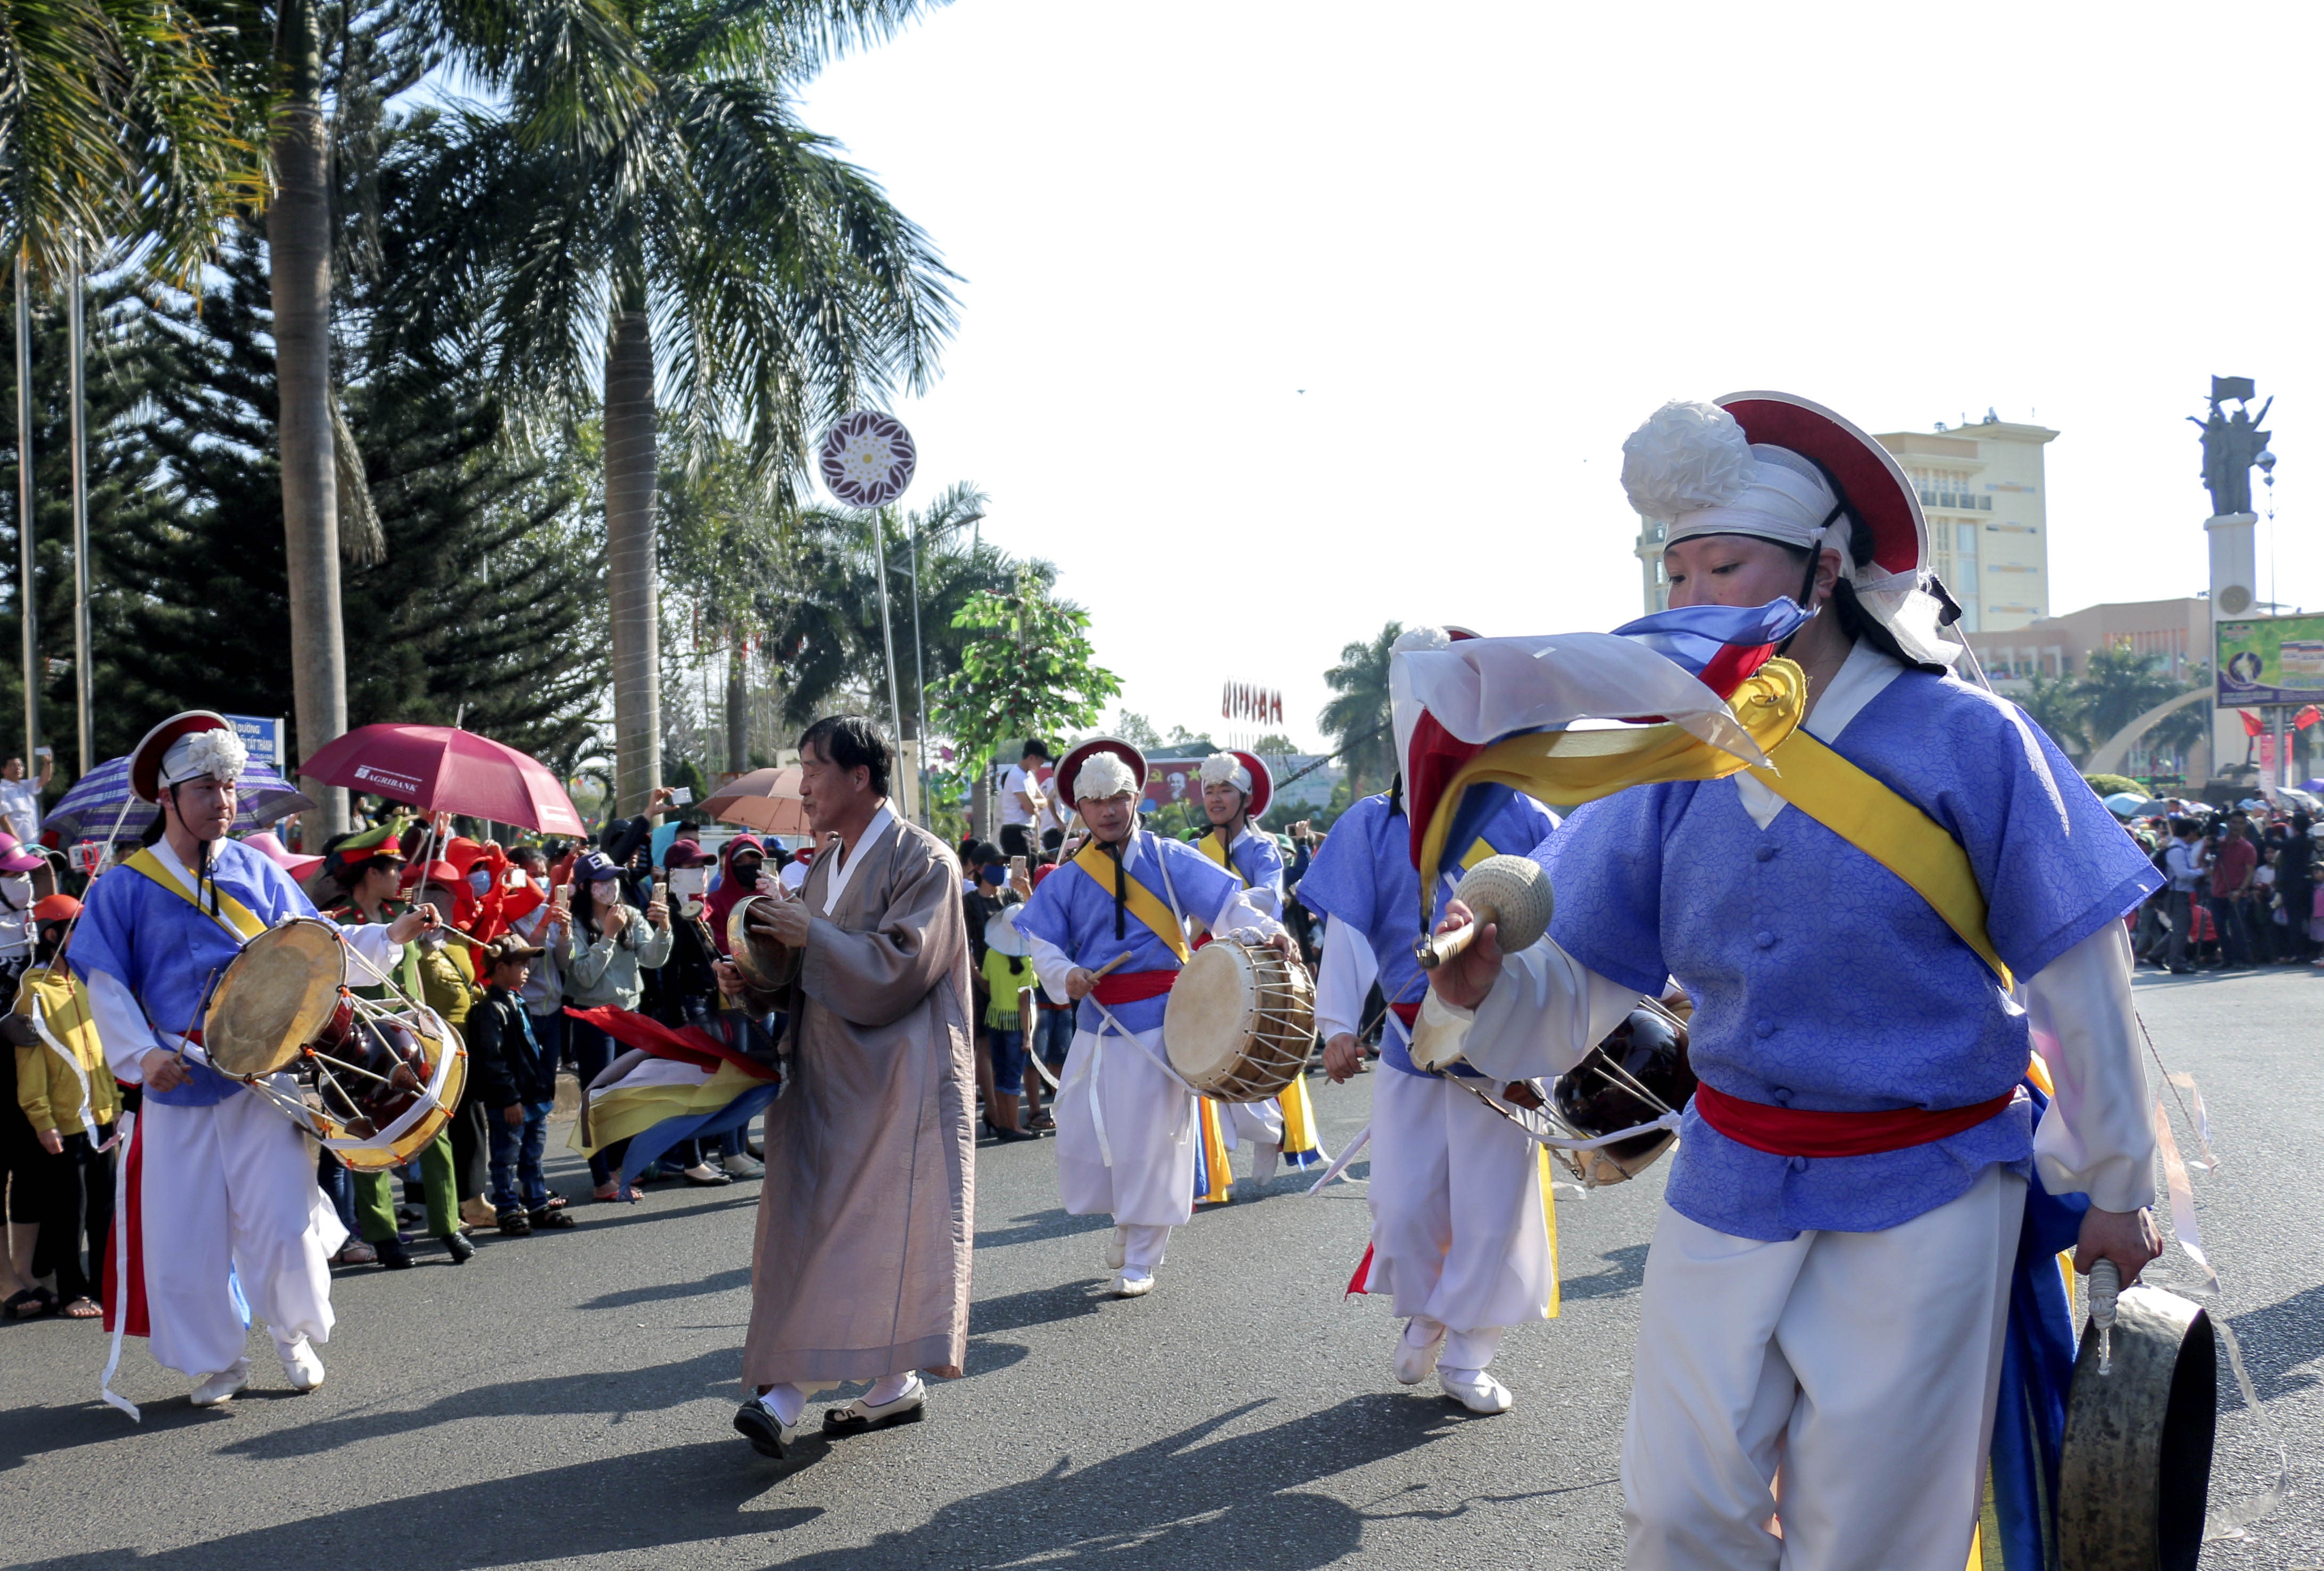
x=145 y=763
x=1262 y=781
x=437 y=872
x=1070 y=767
x=55 y=908
x=1870 y=481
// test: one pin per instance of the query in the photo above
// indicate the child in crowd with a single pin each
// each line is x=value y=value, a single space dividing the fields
x=516 y=1082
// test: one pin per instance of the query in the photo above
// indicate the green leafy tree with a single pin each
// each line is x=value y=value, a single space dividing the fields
x=1027 y=670
x=1357 y=717
x=699 y=243
x=2184 y=733
x=2056 y=704
x=827 y=638
x=2117 y=685
x=1137 y=730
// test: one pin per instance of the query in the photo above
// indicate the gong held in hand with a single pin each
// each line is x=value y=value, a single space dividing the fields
x=766 y=963
x=1511 y=892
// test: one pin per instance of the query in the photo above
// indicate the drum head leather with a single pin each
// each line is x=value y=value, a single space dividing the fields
x=275 y=997
x=1210 y=1017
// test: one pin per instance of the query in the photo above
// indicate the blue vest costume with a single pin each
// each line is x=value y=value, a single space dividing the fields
x=1073 y=911
x=1822 y=980
x=1364 y=876
x=168 y=954
x=1258 y=860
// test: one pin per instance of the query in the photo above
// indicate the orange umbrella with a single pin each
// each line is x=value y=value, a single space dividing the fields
x=765 y=800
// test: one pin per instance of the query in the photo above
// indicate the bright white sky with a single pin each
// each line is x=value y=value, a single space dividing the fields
x=1486 y=240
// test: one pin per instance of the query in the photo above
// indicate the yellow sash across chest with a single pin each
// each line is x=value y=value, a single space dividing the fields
x=1140 y=900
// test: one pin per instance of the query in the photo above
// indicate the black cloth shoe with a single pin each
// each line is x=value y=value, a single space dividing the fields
x=514 y=1222
x=767 y=1437
x=1010 y=1134
x=393 y=1255
x=459 y=1248
x=547 y=1220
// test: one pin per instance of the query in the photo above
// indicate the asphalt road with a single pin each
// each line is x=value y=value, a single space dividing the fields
x=566 y=1398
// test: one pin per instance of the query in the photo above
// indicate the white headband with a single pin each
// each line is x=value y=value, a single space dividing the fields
x=217 y=754
x=1691 y=469
x=1226 y=768
x=1105 y=774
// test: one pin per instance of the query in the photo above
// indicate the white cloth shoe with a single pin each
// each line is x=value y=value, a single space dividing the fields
x=740 y=1166
x=1127 y=1286
x=1117 y=1249
x=300 y=1364
x=1413 y=1359
x=1476 y=1390
x=1263 y=1160
x=216 y=1387
x=907 y=1406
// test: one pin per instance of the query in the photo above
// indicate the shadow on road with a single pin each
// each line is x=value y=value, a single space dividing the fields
x=2279 y=1344
x=1176 y=1502
x=718 y=1282
x=1626 y=1274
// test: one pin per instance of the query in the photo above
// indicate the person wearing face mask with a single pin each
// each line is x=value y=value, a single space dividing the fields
x=609 y=945
x=16 y=868
x=742 y=863
x=1830 y=1286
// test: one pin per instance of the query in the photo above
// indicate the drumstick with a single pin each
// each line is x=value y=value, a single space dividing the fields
x=1109 y=965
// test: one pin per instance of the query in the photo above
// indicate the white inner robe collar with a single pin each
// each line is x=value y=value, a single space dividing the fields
x=1862 y=677
x=844 y=865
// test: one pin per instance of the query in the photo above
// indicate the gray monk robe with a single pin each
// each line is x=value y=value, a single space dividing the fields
x=867 y=1218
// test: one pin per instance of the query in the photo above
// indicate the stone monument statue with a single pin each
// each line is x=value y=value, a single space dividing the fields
x=2232 y=443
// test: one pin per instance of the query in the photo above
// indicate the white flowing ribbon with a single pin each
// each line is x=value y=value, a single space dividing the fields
x=1363 y=1138
x=120 y=1273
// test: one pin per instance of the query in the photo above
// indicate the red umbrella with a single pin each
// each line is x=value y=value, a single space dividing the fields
x=441 y=769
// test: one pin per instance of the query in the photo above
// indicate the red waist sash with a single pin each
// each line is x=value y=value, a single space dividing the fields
x=1131 y=986
x=1797 y=1132
x=1407 y=1013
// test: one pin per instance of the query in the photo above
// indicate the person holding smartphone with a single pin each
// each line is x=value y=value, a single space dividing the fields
x=20 y=799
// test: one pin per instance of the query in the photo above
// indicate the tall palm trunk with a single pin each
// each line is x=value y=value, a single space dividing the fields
x=299 y=246
x=630 y=554
x=738 y=707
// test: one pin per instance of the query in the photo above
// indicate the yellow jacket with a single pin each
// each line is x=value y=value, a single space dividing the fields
x=48 y=1082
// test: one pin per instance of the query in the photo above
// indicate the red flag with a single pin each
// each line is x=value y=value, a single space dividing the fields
x=2253 y=724
x=2307 y=717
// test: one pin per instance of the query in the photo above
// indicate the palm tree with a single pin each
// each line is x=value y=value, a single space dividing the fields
x=578 y=64
x=2056 y=704
x=709 y=245
x=2118 y=684
x=1358 y=717
x=116 y=130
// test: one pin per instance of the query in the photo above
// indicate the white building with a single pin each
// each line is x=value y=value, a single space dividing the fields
x=1982 y=488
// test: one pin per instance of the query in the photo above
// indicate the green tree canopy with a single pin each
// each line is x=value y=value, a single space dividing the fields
x=1357 y=717
x=1029 y=669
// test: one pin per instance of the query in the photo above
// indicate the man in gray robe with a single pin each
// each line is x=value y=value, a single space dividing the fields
x=867 y=1220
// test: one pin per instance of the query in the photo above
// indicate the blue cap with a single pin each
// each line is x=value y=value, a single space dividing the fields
x=595 y=867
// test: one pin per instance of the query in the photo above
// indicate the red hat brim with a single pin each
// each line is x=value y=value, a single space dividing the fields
x=1872 y=483
x=145 y=763
x=1262 y=781
x=1083 y=753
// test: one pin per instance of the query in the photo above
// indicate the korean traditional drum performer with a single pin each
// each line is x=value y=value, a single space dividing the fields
x=218 y=1189
x=1461 y=1234
x=1107 y=931
x=1877 y=928
x=1237 y=788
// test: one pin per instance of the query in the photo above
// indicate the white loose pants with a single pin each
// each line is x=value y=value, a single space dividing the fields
x=230 y=1187
x=1458 y=1233
x=1255 y=1123
x=1126 y=1132
x=1861 y=1365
